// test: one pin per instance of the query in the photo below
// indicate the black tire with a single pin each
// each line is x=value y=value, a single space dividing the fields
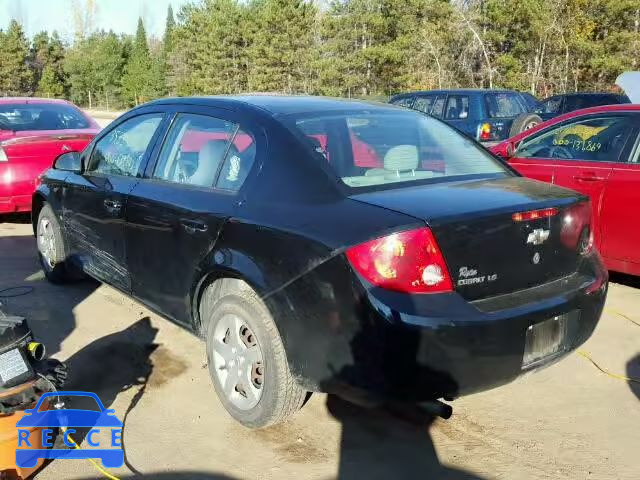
x=523 y=122
x=56 y=267
x=281 y=396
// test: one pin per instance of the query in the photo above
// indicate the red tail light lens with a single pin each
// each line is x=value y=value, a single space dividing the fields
x=576 y=228
x=485 y=131
x=408 y=262
x=534 y=214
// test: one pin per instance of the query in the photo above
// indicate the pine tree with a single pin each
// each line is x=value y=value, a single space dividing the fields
x=16 y=76
x=50 y=85
x=168 y=31
x=137 y=82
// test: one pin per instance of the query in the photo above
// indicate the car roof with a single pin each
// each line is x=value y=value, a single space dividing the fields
x=277 y=104
x=455 y=90
x=32 y=100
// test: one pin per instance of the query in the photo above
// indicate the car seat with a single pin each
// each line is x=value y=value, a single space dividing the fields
x=209 y=158
x=48 y=120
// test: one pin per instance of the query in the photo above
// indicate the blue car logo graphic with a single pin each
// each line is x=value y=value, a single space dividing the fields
x=66 y=419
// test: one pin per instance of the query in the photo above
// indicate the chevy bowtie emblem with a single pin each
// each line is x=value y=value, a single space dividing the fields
x=538 y=236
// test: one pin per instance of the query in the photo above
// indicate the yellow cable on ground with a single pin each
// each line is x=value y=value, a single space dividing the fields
x=624 y=316
x=95 y=464
x=613 y=375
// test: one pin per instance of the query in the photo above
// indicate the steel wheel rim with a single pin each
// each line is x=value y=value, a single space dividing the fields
x=46 y=243
x=530 y=125
x=238 y=362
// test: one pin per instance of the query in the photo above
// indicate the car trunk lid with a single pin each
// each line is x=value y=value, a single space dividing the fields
x=487 y=252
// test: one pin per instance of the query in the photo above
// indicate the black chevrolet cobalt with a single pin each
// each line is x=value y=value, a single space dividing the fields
x=325 y=245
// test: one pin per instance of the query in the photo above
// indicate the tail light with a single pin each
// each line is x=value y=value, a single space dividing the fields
x=3 y=156
x=484 y=131
x=408 y=262
x=534 y=214
x=576 y=228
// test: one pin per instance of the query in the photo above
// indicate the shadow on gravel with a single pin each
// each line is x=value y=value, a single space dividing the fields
x=633 y=371
x=624 y=279
x=173 y=476
x=16 y=218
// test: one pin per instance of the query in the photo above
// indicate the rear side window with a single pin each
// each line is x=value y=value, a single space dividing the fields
x=200 y=149
x=438 y=106
x=120 y=152
x=595 y=139
x=577 y=102
x=457 y=107
x=503 y=105
x=372 y=149
x=551 y=105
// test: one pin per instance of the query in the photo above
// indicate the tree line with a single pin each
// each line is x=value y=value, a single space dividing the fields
x=353 y=48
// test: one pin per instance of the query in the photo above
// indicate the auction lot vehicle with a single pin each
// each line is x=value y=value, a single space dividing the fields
x=560 y=104
x=326 y=245
x=595 y=151
x=486 y=115
x=33 y=132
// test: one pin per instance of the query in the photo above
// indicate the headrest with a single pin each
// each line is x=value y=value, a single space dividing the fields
x=401 y=158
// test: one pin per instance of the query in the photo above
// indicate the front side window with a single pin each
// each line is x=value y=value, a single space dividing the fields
x=551 y=105
x=596 y=139
x=457 y=107
x=424 y=104
x=403 y=102
x=438 y=106
x=120 y=152
x=41 y=116
x=201 y=148
x=379 y=148
x=503 y=105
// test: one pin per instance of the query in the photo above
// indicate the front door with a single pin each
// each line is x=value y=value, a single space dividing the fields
x=620 y=215
x=176 y=213
x=94 y=202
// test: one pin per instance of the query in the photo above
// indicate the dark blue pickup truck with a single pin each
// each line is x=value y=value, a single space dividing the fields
x=486 y=115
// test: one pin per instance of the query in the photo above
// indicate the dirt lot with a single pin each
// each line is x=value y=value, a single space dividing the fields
x=569 y=421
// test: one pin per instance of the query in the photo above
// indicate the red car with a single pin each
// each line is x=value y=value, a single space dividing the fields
x=595 y=151
x=33 y=132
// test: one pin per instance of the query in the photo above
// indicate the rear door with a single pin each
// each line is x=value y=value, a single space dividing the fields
x=619 y=214
x=175 y=214
x=94 y=202
x=457 y=114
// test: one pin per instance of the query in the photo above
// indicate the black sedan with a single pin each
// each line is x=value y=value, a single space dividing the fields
x=325 y=245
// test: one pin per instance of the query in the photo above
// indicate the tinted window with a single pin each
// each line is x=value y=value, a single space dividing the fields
x=424 y=104
x=41 y=116
x=503 y=105
x=597 y=139
x=551 y=105
x=199 y=146
x=403 y=102
x=576 y=102
x=120 y=152
x=457 y=107
x=385 y=148
x=438 y=106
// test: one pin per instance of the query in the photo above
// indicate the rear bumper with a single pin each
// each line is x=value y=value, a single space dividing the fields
x=418 y=347
x=16 y=203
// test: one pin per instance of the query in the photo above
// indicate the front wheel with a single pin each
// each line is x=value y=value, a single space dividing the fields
x=247 y=361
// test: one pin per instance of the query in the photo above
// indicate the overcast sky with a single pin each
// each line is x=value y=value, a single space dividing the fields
x=120 y=16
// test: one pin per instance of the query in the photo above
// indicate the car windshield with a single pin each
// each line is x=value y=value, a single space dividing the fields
x=367 y=149
x=40 y=116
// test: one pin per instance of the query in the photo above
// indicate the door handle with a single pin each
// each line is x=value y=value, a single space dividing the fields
x=112 y=206
x=587 y=178
x=193 y=226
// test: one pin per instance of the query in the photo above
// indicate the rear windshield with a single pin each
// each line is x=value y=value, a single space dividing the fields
x=504 y=105
x=41 y=116
x=367 y=149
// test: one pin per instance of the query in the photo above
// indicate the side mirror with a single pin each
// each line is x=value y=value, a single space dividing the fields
x=504 y=150
x=69 y=162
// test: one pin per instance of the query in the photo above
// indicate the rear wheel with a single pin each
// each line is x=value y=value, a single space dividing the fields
x=524 y=122
x=51 y=248
x=246 y=357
